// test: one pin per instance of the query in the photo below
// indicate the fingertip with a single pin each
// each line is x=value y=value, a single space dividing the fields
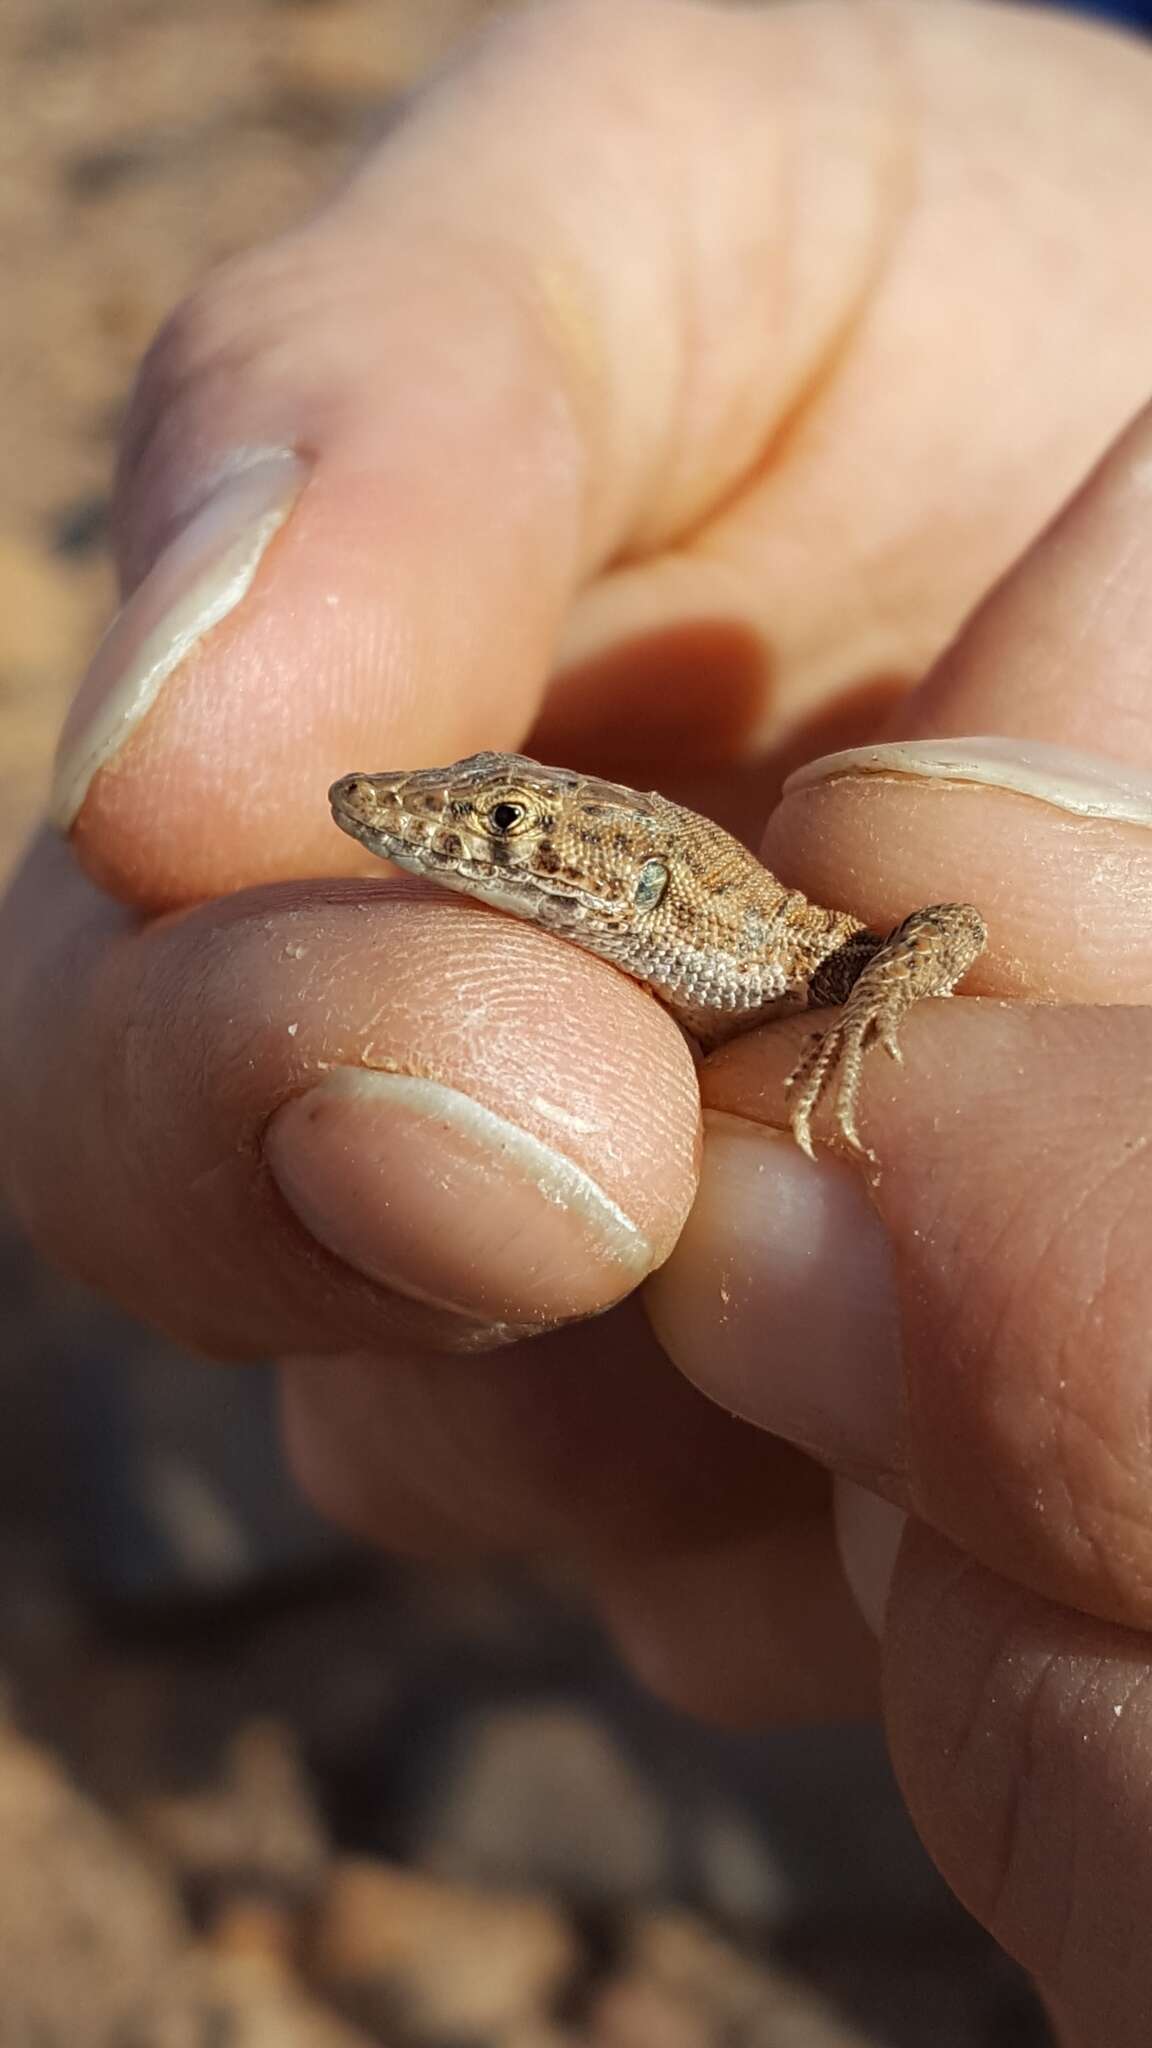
x=424 y=1189
x=1052 y=845
x=215 y=717
x=360 y=594
x=205 y=572
x=780 y=1300
x=357 y=1110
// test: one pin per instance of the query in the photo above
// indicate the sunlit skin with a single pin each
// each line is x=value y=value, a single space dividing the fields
x=765 y=363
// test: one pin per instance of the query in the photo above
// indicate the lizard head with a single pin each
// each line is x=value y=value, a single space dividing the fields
x=544 y=843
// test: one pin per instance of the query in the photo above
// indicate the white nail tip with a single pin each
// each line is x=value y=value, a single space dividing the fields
x=869 y=1532
x=1088 y=785
x=211 y=564
x=556 y=1177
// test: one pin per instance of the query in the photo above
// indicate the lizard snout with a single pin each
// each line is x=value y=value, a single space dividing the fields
x=361 y=797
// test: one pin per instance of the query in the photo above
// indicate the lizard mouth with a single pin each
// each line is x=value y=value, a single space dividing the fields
x=503 y=887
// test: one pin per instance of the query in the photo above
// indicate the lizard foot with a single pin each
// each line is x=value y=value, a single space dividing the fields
x=925 y=956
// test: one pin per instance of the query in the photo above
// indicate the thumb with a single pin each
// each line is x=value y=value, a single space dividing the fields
x=368 y=466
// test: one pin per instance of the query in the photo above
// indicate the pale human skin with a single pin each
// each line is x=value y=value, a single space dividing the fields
x=809 y=332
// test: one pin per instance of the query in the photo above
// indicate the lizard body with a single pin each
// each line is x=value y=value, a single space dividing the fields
x=669 y=897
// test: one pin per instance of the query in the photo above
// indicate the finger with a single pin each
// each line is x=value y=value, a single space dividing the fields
x=1022 y=1736
x=967 y=1336
x=707 y=1546
x=1057 y=652
x=477 y=1133
x=750 y=1631
x=1053 y=844
x=579 y=1449
x=370 y=466
x=959 y=1337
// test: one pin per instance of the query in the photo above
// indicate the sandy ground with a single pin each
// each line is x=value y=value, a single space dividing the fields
x=257 y=1791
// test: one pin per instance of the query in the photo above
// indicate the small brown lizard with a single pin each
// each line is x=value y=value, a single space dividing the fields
x=673 y=900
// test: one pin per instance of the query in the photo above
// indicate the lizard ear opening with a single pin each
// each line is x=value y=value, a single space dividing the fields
x=651 y=883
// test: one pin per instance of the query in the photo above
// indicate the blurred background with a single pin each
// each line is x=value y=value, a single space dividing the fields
x=257 y=1789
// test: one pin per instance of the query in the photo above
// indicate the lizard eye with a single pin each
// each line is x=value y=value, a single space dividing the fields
x=504 y=816
x=651 y=883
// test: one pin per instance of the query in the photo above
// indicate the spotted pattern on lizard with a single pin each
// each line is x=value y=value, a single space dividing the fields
x=674 y=901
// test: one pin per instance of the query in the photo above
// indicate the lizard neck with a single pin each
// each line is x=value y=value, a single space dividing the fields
x=782 y=930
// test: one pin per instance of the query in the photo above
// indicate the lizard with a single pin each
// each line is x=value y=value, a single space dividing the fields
x=671 y=899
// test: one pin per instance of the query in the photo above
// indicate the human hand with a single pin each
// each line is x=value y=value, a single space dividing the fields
x=670 y=380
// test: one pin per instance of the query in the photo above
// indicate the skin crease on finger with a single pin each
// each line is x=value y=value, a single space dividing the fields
x=674 y=468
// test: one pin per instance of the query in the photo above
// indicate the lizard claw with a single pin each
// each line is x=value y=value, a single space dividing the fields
x=802 y=1132
x=925 y=956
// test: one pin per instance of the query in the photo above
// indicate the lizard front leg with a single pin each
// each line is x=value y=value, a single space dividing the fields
x=877 y=981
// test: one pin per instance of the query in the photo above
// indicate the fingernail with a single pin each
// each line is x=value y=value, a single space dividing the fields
x=434 y=1195
x=780 y=1300
x=1089 y=785
x=869 y=1532
x=203 y=574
